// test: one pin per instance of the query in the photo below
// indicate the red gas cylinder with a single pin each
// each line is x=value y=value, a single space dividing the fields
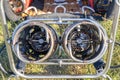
x=91 y=2
x=27 y=3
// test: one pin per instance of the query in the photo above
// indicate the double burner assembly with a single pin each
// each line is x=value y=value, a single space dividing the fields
x=82 y=41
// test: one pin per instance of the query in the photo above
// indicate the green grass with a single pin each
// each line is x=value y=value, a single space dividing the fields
x=31 y=68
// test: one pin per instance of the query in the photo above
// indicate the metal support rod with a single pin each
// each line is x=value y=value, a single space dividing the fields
x=1 y=67
x=113 y=36
x=6 y=34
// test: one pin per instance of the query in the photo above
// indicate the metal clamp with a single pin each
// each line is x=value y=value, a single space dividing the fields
x=87 y=7
x=60 y=6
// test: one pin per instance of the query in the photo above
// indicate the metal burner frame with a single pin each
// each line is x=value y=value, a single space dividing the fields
x=111 y=42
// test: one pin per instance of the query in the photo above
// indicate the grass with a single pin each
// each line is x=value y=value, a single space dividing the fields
x=31 y=68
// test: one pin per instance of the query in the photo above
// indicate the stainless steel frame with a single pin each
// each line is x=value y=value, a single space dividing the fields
x=111 y=42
